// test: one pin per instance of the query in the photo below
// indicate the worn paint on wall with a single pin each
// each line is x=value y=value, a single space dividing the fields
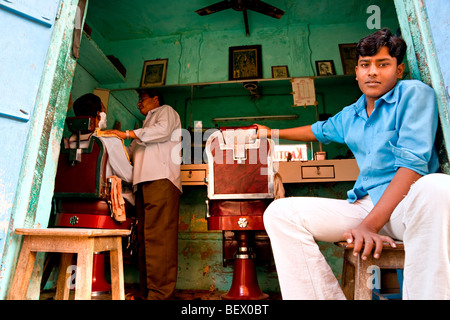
x=16 y=65
x=439 y=21
x=424 y=59
x=59 y=94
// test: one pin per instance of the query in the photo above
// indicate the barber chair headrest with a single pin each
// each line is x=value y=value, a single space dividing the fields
x=252 y=127
x=239 y=139
x=239 y=135
x=83 y=124
x=78 y=126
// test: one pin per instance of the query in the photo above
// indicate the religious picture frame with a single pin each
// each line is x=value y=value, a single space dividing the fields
x=245 y=62
x=280 y=72
x=325 y=68
x=348 y=57
x=154 y=73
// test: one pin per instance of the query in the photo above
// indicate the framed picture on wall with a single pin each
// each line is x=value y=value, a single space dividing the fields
x=280 y=72
x=348 y=57
x=325 y=68
x=154 y=73
x=245 y=62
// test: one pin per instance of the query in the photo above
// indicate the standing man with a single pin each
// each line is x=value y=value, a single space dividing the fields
x=398 y=194
x=156 y=178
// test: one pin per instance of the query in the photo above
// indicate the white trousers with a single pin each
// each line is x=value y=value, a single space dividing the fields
x=421 y=221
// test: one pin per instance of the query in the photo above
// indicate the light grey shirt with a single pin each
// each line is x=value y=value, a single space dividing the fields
x=156 y=152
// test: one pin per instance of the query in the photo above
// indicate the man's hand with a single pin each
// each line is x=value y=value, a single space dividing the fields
x=363 y=235
x=367 y=232
x=120 y=134
x=263 y=132
x=117 y=133
x=303 y=133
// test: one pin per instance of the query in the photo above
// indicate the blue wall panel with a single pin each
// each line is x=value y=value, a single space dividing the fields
x=24 y=41
x=439 y=17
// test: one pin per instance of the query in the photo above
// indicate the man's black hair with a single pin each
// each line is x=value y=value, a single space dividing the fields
x=370 y=45
x=87 y=105
x=152 y=93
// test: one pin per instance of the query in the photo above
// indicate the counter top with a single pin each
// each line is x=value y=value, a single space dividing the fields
x=291 y=172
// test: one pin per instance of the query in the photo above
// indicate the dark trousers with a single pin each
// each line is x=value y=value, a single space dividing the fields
x=157 y=207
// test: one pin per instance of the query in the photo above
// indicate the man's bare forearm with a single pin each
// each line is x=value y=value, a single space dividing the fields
x=303 y=133
x=397 y=189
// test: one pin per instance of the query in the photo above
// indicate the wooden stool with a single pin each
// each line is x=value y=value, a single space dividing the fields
x=83 y=242
x=356 y=271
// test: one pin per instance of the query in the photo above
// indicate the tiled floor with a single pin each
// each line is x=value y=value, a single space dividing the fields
x=179 y=295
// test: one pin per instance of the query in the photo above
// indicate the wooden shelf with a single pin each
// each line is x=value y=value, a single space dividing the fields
x=94 y=61
x=239 y=84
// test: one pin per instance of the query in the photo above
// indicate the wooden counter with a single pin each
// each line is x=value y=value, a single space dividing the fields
x=291 y=172
x=194 y=174
x=319 y=171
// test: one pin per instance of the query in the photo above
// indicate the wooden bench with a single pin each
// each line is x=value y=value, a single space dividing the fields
x=356 y=272
x=84 y=243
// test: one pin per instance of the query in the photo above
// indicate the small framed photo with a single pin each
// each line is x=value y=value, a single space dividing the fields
x=154 y=73
x=348 y=57
x=245 y=62
x=280 y=72
x=325 y=68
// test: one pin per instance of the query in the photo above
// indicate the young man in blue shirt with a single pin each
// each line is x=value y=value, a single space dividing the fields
x=398 y=195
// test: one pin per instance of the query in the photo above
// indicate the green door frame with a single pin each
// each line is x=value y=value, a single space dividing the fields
x=424 y=65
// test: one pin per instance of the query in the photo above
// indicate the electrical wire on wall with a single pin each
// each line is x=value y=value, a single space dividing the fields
x=199 y=57
x=310 y=50
x=180 y=41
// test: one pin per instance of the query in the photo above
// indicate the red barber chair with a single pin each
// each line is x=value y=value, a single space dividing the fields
x=240 y=187
x=82 y=190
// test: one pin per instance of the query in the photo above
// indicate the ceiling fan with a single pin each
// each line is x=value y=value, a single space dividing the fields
x=243 y=5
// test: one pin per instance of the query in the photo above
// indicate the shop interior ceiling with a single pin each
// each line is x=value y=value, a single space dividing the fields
x=126 y=20
x=118 y=20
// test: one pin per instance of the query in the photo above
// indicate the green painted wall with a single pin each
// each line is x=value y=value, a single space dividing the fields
x=83 y=83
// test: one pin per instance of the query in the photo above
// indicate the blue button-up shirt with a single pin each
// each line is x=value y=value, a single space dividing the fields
x=400 y=132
